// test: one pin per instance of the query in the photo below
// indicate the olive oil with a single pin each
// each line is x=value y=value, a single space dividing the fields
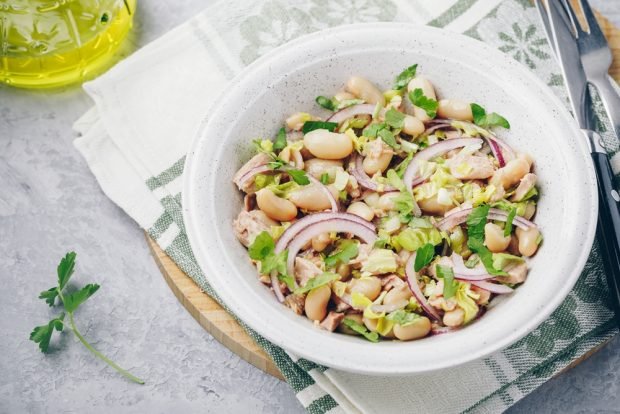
x=52 y=43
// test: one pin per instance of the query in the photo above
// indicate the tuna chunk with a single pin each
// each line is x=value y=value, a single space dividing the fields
x=331 y=321
x=527 y=183
x=250 y=224
x=296 y=303
x=471 y=167
x=516 y=274
x=304 y=270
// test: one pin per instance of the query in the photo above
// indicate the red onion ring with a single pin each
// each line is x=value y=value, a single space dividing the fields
x=338 y=225
x=497 y=152
x=435 y=150
x=250 y=174
x=351 y=111
x=460 y=216
x=492 y=287
x=330 y=196
x=412 y=281
x=275 y=284
x=462 y=272
x=357 y=170
x=294 y=229
x=440 y=330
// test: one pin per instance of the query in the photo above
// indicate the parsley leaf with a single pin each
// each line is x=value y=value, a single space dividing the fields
x=317 y=282
x=424 y=255
x=75 y=299
x=403 y=79
x=325 y=103
x=324 y=178
x=402 y=317
x=70 y=302
x=299 y=176
x=65 y=269
x=262 y=246
x=347 y=250
x=476 y=221
x=43 y=334
x=388 y=138
x=511 y=217
x=427 y=104
x=449 y=284
x=360 y=329
x=372 y=130
x=49 y=295
x=486 y=257
x=312 y=125
x=394 y=118
x=288 y=280
x=486 y=121
x=280 y=141
x=276 y=164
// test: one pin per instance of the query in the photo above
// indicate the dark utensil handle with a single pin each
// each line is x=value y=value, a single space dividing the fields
x=609 y=227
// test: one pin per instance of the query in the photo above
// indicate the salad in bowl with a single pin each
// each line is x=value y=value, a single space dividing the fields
x=398 y=215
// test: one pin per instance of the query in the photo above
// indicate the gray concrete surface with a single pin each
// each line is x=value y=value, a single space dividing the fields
x=50 y=203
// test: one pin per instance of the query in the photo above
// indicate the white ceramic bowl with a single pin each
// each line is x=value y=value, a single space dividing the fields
x=287 y=80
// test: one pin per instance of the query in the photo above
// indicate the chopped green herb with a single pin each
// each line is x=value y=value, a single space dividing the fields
x=262 y=249
x=482 y=119
x=476 y=221
x=299 y=176
x=70 y=302
x=427 y=104
x=317 y=282
x=347 y=250
x=449 y=284
x=325 y=103
x=288 y=280
x=280 y=141
x=511 y=217
x=424 y=255
x=361 y=329
x=372 y=130
x=402 y=317
x=403 y=79
x=312 y=125
x=394 y=118
x=388 y=138
x=324 y=178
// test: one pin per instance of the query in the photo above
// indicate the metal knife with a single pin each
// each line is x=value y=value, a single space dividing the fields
x=567 y=52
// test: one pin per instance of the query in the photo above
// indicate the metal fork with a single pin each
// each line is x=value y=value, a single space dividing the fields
x=596 y=58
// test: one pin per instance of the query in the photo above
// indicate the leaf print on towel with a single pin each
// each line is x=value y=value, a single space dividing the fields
x=276 y=24
x=524 y=46
x=353 y=11
x=592 y=284
x=562 y=325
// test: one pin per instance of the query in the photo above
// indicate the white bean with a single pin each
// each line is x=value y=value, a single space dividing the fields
x=494 y=238
x=328 y=145
x=412 y=126
x=316 y=303
x=455 y=109
x=320 y=242
x=418 y=329
x=316 y=167
x=454 y=317
x=275 y=207
x=397 y=294
x=367 y=286
x=297 y=120
x=361 y=209
x=420 y=82
x=310 y=197
x=364 y=89
x=528 y=241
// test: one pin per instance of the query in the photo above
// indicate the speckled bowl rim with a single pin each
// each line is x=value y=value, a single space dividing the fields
x=386 y=358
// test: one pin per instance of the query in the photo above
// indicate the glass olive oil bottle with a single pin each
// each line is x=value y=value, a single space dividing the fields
x=52 y=43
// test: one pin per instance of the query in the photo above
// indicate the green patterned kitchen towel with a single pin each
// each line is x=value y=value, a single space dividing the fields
x=147 y=110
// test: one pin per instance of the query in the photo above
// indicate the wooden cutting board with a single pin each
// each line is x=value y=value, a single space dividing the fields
x=225 y=329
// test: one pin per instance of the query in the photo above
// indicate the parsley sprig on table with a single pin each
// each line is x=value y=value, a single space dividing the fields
x=70 y=302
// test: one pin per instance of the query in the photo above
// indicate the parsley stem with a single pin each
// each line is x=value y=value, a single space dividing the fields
x=98 y=354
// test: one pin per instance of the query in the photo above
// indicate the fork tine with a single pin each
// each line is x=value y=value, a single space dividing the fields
x=573 y=19
x=542 y=11
x=593 y=26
